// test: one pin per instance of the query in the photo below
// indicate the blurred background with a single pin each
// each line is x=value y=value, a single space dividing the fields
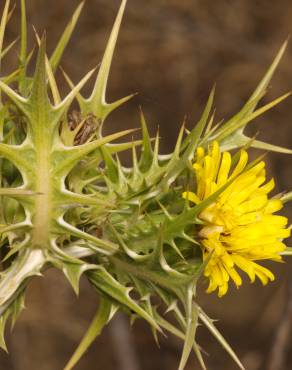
x=171 y=52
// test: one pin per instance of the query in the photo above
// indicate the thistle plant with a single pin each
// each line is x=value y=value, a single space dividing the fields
x=150 y=230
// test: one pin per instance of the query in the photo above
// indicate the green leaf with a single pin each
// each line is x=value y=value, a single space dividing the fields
x=147 y=153
x=195 y=135
x=231 y=127
x=23 y=33
x=7 y=49
x=19 y=101
x=28 y=263
x=105 y=283
x=3 y=23
x=96 y=104
x=111 y=165
x=270 y=147
x=23 y=49
x=51 y=78
x=73 y=273
x=16 y=192
x=287 y=252
x=262 y=86
x=39 y=100
x=178 y=164
x=287 y=197
x=247 y=114
x=239 y=139
x=102 y=246
x=16 y=307
x=14 y=154
x=99 y=321
x=3 y=321
x=62 y=108
x=191 y=327
x=172 y=306
x=72 y=155
x=65 y=38
x=212 y=328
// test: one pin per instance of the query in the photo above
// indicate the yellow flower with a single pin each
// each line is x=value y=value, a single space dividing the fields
x=239 y=228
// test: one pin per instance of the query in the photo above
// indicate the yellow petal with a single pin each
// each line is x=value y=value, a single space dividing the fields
x=263 y=274
x=234 y=276
x=241 y=163
x=258 y=169
x=200 y=152
x=189 y=195
x=273 y=205
x=215 y=155
x=245 y=266
x=224 y=169
x=248 y=218
x=268 y=187
x=253 y=205
x=222 y=290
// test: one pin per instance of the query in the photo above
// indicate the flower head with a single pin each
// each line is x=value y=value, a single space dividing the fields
x=240 y=227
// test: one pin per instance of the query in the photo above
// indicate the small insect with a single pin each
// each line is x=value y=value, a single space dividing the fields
x=87 y=129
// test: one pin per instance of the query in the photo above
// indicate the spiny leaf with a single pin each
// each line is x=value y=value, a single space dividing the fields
x=249 y=117
x=132 y=254
x=62 y=108
x=147 y=153
x=23 y=44
x=196 y=134
x=15 y=248
x=257 y=95
x=287 y=252
x=3 y=320
x=39 y=100
x=209 y=324
x=99 y=245
x=3 y=25
x=247 y=111
x=190 y=144
x=23 y=49
x=239 y=139
x=11 y=77
x=65 y=38
x=262 y=86
x=99 y=321
x=121 y=147
x=27 y=264
x=72 y=86
x=193 y=139
x=14 y=154
x=75 y=154
x=111 y=165
x=110 y=107
x=105 y=283
x=182 y=323
x=96 y=104
x=19 y=101
x=7 y=49
x=51 y=77
x=238 y=117
x=270 y=147
x=191 y=327
x=16 y=308
x=73 y=272
x=287 y=197
x=16 y=192
x=67 y=198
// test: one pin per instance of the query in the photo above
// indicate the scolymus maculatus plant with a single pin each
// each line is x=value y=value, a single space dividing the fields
x=153 y=228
